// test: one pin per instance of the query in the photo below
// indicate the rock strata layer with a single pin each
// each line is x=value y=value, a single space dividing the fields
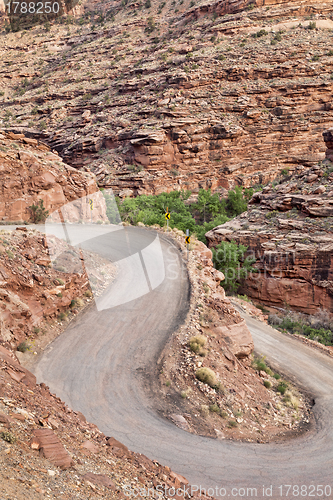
x=288 y=228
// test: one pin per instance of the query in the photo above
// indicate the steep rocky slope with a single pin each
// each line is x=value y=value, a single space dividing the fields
x=288 y=229
x=37 y=299
x=155 y=97
x=30 y=172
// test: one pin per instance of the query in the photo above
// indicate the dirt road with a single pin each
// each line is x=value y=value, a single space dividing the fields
x=102 y=364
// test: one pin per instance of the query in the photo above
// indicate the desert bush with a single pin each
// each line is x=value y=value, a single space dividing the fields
x=214 y=408
x=207 y=376
x=23 y=347
x=185 y=394
x=38 y=212
x=244 y=297
x=260 y=365
x=282 y=387
x=291 y=400
x=204 y=410
x=259 y=33
x=317 y=327
x=197 y=344
x=274 y=319
x=8 y=436
x=267 y=384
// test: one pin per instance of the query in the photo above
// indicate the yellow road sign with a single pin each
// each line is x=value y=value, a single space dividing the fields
x=91 y=203
x=167 y=215
x=188 y=240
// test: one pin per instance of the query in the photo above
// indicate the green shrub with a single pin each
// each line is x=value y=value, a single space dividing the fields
x=312 y=25
x=23 y=347
x=214 y=408
x=267 y=384
x=260 y=33
x=207 y=376
x=237 y=200
x=232 y=423
x=10 y=254
x=282 y=387
x=318 y=327
x=199 y=217
x=38 y=212
x=229 y=258
x=260 y=365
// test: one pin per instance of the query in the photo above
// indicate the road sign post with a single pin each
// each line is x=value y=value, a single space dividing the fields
x=167 y=216
x=187 y=241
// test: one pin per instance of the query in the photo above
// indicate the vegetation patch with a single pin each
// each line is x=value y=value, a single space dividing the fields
x=207 y=376
x=318 y=327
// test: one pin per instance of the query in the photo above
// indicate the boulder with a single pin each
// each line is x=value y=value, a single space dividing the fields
x=238 y=338
x=50 y=447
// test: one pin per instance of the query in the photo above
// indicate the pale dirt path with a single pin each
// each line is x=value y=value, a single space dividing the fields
x=103 y=364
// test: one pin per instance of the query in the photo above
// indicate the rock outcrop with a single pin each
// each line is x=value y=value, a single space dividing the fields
x=33 y=292
x=288 y=229
x=30 y=172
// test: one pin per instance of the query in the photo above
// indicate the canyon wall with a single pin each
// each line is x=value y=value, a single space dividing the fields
x=202 y=97
x=288 y=228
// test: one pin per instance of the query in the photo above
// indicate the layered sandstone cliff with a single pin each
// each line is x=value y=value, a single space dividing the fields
x=176 y=97
x=288 y=228
x=30 y=172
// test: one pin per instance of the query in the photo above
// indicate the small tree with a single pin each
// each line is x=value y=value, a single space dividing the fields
x=208 y=204
x=237 y=200
x=38 y=212
x=228 y=257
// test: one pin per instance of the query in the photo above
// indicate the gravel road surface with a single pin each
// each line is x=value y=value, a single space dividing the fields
x=102 y=364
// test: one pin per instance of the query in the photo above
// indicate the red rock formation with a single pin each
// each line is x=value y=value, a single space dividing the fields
x=31 y=290
x=288 y=229
x=205 y=103
x=31 y=172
